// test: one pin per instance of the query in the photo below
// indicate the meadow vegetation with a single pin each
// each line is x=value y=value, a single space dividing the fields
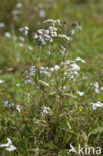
x=51 y=76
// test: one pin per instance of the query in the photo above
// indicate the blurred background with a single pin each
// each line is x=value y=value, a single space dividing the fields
x=18 y=13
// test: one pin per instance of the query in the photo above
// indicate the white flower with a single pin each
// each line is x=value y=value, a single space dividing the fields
x=72 y=32
x=45 y=70
x=7 y=34
x=44 y=83
x=79 y=27
x=54 y=34
x=21 y=38
x=80 y=93
x=20 y=44
x=8 y=146
x=75 y=67
x=47 y=32
x=101 y=88
x=79 y=59
x=18 y=84
x=42 y=13
x=35 y=36
x=64 y=36
x=30 y=47
x=53 y=21
x=96 y=85
x=2 y=24
x=56 y=67
x=67 y=62
x=52 y=29
x=1 y=81
x=7 y=104
x=96 y=105
x=48 y=52
x=18 y=107
x=24 y=30
x=26 y=82
x=19 y=5
x=46 y=110
x=11 y=148
x=16 y=12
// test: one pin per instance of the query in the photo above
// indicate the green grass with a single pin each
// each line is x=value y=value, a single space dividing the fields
x=51 y=135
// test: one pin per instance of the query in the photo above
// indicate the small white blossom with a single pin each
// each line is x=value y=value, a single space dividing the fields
x=2 y=24
x=96 y=105
x=19 y=5
x=64 y=36
x=56 y=67
x=20 y=44
x=53 y=21
x=21 y=38
x=96 y=85
x=16 y=12
x=101 y=88
x=46 y=110
x=72 y=32
x=1 y=81
x=18 y=107
x=30 y=47
x=24 y=30
x=79 y=27
x=35 y=36
x=18 y=84
x=7 y=34
x=80 y=93
x=44 y=83
x=79 y=59
x=26 y=82
x=9 y=146
x=6 y=104
x=48 y=52
x=42 y=13
x=67 y=62
x=75 y=67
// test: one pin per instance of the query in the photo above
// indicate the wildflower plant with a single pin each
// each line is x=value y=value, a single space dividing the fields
x=52 y=79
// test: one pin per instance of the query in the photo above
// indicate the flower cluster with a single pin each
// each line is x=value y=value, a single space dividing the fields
x=53 y=22
x=70 y=69
x=45 y=36
x=48 y=35
x=46 y=110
